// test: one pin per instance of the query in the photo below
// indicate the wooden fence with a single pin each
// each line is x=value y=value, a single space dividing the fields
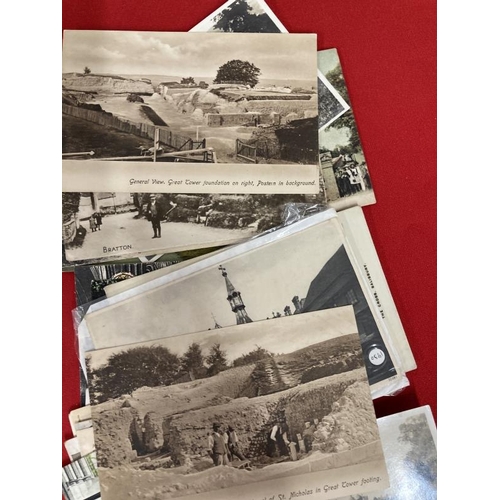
x=246 y=151
x=177 y=142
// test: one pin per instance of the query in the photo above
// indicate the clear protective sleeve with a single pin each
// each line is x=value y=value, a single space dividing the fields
x=379 y=354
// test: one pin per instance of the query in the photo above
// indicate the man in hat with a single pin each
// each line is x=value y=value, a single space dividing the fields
x=155 y=213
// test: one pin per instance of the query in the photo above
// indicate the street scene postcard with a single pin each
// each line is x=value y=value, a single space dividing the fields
x=257 y=411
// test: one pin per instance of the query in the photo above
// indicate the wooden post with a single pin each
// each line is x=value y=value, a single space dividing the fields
x=156 y=143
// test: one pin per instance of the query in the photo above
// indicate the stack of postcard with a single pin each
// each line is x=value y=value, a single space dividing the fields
x=274 y=128
x=408 y=441
x=234 y=323
x=286 y=335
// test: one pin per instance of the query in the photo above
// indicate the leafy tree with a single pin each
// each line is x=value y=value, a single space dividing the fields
x=136 y=367
x=70 y=204
x=216 y=360
x=239 y=17
x=238 y=71
x=188 y=81
x=192 y=362
x=336 y=78
x=252 y=357
x=86 y=70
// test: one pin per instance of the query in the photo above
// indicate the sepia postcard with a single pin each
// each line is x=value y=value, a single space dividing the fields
x=252 y=282
x=358 y=235
x=344 y=171
x=80 y=480
x=166 y=259
x=190 y=97
x=410 y=448
x=343 y=164
x=105 y=226
x=252 y=411
x=409 y=443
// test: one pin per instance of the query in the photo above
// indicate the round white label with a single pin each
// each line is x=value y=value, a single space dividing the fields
x=376 y=356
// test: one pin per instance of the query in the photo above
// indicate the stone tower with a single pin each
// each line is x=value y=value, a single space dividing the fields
x=235 y=300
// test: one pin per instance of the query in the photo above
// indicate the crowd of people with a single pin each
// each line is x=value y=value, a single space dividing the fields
x=351 y=179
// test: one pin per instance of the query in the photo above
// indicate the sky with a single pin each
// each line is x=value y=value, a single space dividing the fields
x=256 y=8
x=277 y=336
x=328 y=60
x=331 y=137
x=279 y=56
x=268 y=278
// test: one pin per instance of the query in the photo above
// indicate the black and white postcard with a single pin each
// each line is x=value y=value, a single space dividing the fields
x=343 y=164
x=410 y=448
x=253 y=411
x=90 y=281
x=195 y=97
x=301 y=268
x=104 y=226
x=242 y=16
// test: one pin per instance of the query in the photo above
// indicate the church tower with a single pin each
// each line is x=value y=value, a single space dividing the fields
x=235 y=300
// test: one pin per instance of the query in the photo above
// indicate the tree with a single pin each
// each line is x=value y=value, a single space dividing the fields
x=188 y=81
x=216 y=360
x=86 y=70
x=136 y=367
x=336 y=78
x=70 y=204
x=252 y=357
x=239 y=17
x=238 y=71
x=192 y=362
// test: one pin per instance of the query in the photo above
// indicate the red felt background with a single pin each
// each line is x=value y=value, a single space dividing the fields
x=388 y=53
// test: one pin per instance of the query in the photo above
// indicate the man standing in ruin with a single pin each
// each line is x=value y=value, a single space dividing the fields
x=220 y=449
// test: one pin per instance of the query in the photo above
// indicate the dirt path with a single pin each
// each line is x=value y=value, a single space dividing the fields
x=135 y=235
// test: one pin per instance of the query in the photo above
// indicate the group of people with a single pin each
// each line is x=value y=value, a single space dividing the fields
x=95 y=222
x=350 y=179
x=223 y=445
